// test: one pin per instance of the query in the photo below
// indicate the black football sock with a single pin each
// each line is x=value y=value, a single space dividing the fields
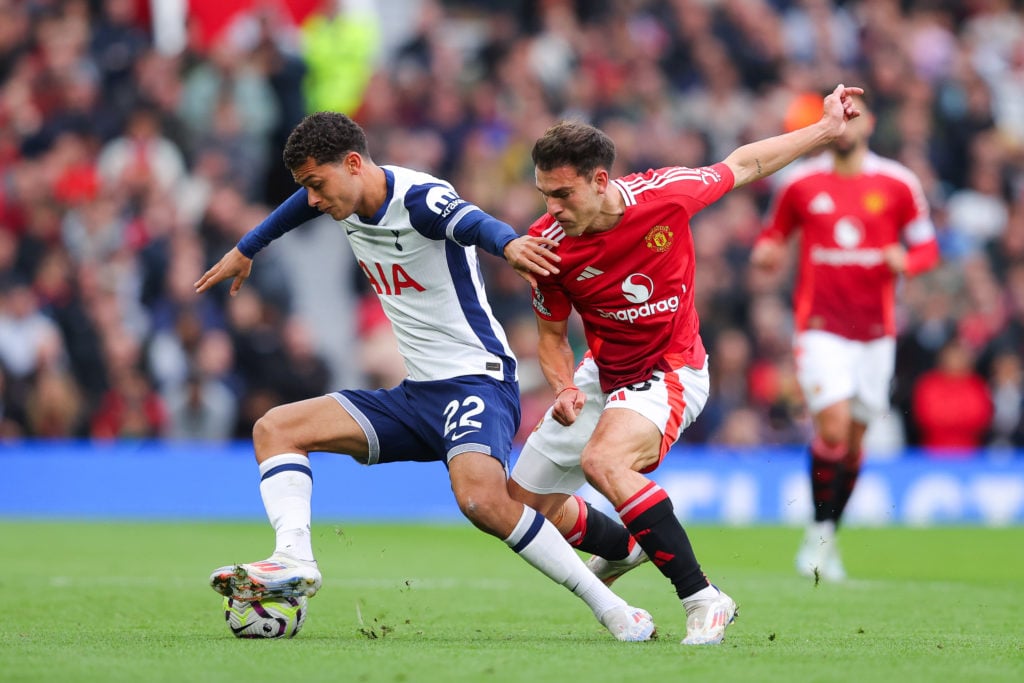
x=846 y=480
x=825 y=463
x=598 y=534
x=650 y=518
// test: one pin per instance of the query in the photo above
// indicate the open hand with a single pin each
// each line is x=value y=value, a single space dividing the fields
x=233 y=264
x=532 y=256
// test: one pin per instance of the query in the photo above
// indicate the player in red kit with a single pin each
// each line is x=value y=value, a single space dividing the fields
x=854 y=211
x=627 y=266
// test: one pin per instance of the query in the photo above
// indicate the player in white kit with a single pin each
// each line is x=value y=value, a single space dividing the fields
x=415 y=239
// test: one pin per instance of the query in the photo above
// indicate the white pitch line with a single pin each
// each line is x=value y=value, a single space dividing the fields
x=72 y=582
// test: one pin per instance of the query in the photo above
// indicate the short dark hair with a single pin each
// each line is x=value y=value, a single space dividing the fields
x=575 y=144
x=326 y=137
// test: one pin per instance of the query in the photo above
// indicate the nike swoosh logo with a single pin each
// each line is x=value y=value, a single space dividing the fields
x=350 y=232
x=240 y=629
x=456 y=437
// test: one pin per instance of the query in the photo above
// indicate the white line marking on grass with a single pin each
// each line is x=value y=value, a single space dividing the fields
x=444 y=584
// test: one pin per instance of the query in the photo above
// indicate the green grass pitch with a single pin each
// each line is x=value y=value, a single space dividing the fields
x=111 y=602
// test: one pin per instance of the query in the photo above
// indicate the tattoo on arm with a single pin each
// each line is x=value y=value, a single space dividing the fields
x=758 y=162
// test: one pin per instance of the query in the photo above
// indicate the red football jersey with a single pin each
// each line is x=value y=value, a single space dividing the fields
x=633 y=285
x=843 y=285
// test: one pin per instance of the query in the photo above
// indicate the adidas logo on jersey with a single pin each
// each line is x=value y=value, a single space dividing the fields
x=589 y=272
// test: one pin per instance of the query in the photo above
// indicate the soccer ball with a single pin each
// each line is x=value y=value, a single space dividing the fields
x=270 y=618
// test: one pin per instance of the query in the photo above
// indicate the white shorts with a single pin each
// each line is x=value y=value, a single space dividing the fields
x=550 y=459
x=831 y=368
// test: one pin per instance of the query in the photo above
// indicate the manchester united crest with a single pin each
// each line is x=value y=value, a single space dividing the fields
x=659 y=238
x=874 y=202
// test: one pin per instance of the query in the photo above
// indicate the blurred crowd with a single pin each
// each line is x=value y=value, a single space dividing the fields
x=129 y=162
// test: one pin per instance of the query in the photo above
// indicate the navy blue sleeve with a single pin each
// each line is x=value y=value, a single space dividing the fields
x=438 y=212
x=291 y=213
x=485 y=231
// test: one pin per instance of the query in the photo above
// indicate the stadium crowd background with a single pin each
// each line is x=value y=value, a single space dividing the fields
x=136 y=147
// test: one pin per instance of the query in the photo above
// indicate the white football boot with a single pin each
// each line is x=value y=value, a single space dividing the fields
x=833 y=569
x=708 y=613
x=629 y=624
x=609 y=570
x=279 y=576
x=818 y=556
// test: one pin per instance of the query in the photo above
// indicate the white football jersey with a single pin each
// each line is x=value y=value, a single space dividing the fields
x=429 y=281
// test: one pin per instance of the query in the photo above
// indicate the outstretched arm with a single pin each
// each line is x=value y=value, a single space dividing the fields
x=530 y=256
x=237 y=263
x=290 y=214
x=762 y=158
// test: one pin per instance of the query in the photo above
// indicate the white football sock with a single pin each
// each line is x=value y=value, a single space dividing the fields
x=286 y=487
x=537 y=541
x=706 y=593
x=824 y=532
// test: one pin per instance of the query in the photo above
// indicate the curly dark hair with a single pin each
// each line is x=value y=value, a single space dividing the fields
x=326 y=137
x=575 y=144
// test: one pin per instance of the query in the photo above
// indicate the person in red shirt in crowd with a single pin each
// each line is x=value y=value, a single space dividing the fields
x=130 y=409
x=853 y=211
x=952 y=405
x=626 y=264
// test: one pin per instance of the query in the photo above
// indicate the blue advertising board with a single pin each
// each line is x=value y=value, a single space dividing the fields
x=168 y=481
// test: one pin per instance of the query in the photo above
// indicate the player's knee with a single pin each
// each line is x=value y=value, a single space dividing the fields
x=832 y=436
x=834 y=429
x=271 y=425
x=600 y=470
x=490 y=511
x=261 y=430
x=833 y=424
x=476 y=506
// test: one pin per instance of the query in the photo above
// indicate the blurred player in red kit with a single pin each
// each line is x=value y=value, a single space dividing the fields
x=854 y=212
x=627 y=266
